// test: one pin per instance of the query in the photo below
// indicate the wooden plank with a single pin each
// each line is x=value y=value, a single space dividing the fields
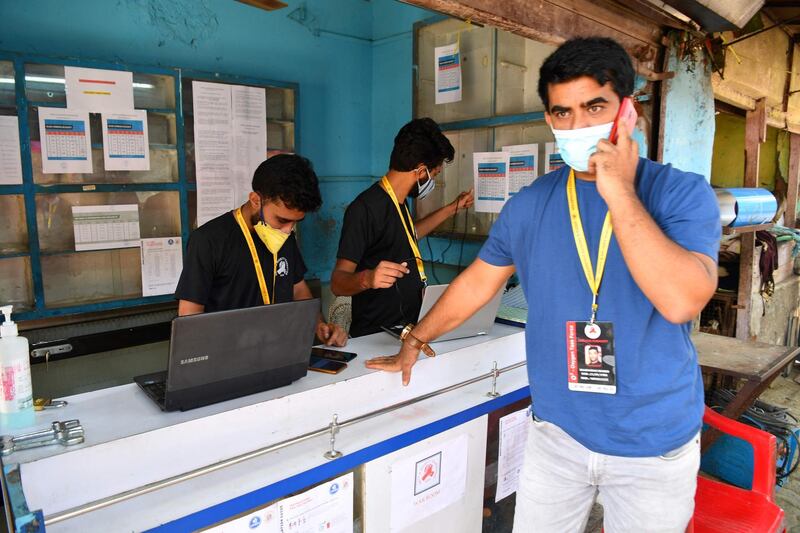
x=750 y=360
x=745 y=229
x=755 y=133
x=745 y=293
x=543 y=21
x=794 y=172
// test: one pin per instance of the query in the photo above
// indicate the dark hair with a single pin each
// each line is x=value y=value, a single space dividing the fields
x=597 y=57
x=291 y=179
x=420 y=141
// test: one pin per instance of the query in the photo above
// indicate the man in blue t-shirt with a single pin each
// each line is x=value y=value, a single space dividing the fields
x=615 y=253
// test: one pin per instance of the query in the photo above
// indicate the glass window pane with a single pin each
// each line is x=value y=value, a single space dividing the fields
x=192 y=195
x=90 y=277
x=531 y=133
x=153 y=91
x=476 y=70
x=188 y=137
x=45 y=83
x=7 y=93
x=159 y=215
x=280 y=137
x=14 y=230
x=163 y=169
x=457 y=177
x=518 y=62
x=161 y=128
x=163 y=158
x=280 y=104
x=16 y=285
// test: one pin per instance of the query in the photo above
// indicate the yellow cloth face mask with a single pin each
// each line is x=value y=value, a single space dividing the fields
x=272 y=238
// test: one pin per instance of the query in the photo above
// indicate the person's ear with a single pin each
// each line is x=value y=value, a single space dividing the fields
x=548 y=119
x=255 y=200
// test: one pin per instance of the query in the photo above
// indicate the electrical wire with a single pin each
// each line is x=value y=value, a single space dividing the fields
x=770 y=418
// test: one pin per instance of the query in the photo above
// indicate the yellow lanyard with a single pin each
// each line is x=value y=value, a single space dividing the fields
x=594 y=279
x=412 y=238
x=256 y=262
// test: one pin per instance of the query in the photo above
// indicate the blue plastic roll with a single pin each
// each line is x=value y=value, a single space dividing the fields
x=753 y=206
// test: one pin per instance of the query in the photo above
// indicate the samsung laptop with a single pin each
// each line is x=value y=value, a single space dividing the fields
x=478 y=324
x=219 y=356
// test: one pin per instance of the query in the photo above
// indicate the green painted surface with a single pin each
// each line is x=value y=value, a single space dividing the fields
x=727 y=164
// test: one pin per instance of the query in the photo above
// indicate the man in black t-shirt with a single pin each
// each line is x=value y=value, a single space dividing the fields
x=249 y=256
x=378 y=262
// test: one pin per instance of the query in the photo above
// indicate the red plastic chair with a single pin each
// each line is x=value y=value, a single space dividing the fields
x=723 y=507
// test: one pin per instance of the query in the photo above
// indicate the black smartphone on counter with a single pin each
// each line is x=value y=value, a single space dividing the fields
x=318 y=364
x=333 y=355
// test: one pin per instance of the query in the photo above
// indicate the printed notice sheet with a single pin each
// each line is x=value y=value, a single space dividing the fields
x=326 y=508
x=10 y=162
x=162 y=262
x=428 y=482
x=523 y=166
x=513 y=436
x=125 y=141
x=65 y=141
x=448 y=74
x=553 y=158
x=249 y=113
x=102 y=227
x=213 y=146
x=491 y=180
x=98 y=91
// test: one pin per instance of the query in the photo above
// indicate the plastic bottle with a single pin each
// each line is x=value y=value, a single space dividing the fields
x=16 y=392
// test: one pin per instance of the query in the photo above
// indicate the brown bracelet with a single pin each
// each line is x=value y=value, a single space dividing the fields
x=414 y=342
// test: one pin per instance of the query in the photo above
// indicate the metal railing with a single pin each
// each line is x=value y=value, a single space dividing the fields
x=331 y=429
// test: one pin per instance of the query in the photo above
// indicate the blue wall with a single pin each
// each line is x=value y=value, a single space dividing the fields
x=351 y=58
x=689 y=118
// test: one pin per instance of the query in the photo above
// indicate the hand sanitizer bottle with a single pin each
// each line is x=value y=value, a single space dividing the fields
x=16 y=392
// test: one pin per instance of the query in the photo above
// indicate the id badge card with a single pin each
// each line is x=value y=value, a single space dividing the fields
x=591 y=365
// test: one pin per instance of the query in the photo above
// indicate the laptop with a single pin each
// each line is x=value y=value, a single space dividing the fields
x=478 y=324
x=219 y=356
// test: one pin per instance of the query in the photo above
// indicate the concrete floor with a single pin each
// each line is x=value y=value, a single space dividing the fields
x=786 y=392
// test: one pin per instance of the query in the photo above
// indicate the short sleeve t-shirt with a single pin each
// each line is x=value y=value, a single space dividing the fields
x=373 y=232
x=218 y=271
x=659 y=401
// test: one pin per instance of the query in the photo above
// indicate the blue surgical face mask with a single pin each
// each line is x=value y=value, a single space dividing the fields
x=423 y=190
x=576 y=146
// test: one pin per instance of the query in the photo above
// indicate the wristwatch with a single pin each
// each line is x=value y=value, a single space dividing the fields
x=414 y=342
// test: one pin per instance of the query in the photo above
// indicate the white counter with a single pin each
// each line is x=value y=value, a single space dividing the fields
x=130 y=442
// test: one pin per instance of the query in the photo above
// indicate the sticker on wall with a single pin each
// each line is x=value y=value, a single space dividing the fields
x=10 y=162
x=125 y=141
x=523 y=166
x=65 y=141
x=428 y=482
x=553 y=160
x=162 y=262
x=448 y=73
x=104 y=227
x=490 y=170
x=98 y=91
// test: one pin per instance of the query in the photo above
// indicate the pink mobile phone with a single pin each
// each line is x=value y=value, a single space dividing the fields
x=627 y=115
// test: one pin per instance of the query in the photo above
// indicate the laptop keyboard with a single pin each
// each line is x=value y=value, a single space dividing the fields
x=156 y=389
